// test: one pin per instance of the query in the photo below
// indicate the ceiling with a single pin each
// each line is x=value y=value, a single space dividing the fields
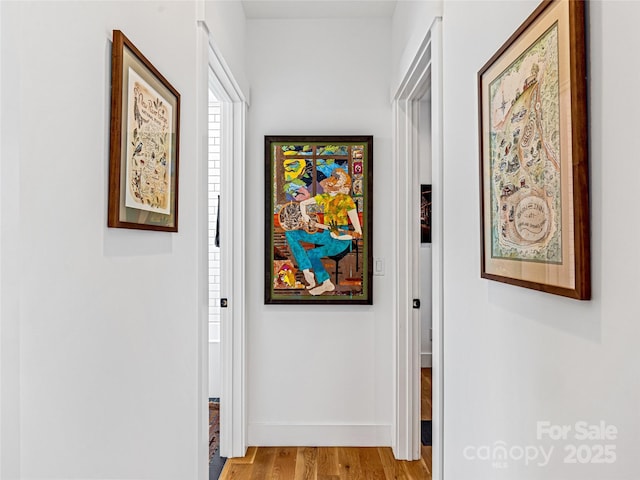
x=318 y=8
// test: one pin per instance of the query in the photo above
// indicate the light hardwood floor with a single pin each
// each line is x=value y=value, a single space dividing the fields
x=332 y=463
x=325 y=463
x=425 y=407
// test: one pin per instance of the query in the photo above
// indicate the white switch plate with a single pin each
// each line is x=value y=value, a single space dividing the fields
x=378 y=266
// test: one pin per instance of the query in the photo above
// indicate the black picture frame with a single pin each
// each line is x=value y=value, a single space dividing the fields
x=330 y=180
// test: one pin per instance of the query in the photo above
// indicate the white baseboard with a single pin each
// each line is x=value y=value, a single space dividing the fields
x=425 y=360
x=276 y=435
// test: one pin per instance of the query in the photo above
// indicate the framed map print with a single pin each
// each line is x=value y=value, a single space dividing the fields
x=533 y=155
x=318 y=219
x=145 y=126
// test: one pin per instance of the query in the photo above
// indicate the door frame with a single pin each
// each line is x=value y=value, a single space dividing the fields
x=423 y=77
x=215 y=74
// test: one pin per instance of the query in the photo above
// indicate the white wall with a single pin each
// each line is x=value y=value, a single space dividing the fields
x=227 y=25
x=513 y=356
x=410 y=24
x=9 y=248
x=108 y=335
x=319 y=374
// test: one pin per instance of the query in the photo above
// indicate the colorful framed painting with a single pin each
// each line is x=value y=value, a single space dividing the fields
x=145 y=126
x=534 y=157
x=318 y=219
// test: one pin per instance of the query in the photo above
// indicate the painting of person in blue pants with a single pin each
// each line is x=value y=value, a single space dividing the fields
x=334 y=236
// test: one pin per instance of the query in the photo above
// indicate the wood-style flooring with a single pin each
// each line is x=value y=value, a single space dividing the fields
x=425 y=407
x=325 y=463
x=332 y=463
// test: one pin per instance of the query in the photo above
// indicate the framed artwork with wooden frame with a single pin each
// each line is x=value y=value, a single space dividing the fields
x=318 y=219
x=534 y=182
x=145 y=126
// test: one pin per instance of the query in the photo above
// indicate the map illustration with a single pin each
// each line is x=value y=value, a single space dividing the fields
x=148 y=149
x=525 y=156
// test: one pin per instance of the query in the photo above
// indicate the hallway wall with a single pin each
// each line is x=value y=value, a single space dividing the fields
x=228 y=27
x=514 y=356
x=410 y=24
x=9 y=248
x=319 y=374
x=105 y=364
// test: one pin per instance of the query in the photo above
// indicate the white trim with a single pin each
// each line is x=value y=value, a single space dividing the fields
x=404 y=444
x=202 y=224
x=437 y=170
x=426 y=360
x=218 y=77
x=422 y=77
x=230 y=88
x=233 y=328
x=1 y=263
x=275 y=434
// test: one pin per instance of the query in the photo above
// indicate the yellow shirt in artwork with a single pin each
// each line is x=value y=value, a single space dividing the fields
x=335 y=207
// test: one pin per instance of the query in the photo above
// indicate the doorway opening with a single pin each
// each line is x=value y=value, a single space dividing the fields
x=214 y=164
x=418 y=135
x=213 y=190
x=425 y=262
x=215 y=77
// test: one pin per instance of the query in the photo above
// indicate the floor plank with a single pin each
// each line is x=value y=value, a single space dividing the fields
x=264 y=460
x=425 y=405
x=392 y=467
x=284 y=465
x=307 y=464
x=371 y=464
x=328 y=463
x=417 y=469
x=349 y=463
x=427 y=457
x=237 y=471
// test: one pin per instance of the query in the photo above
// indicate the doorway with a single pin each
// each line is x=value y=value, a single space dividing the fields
x=421 y=83
x=215 y=76
x=425 y=280
x=225 y=178
x=215 y=120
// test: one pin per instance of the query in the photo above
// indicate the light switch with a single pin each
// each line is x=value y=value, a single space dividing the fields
x=378 y=266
